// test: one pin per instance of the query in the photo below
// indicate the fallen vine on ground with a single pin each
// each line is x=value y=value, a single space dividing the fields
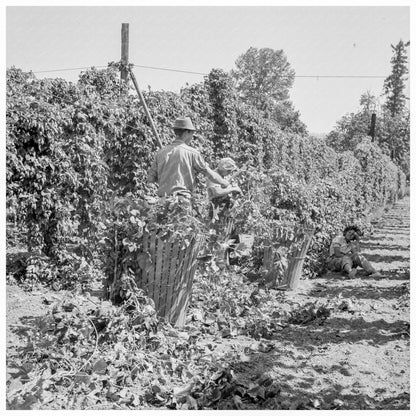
x=88 y=353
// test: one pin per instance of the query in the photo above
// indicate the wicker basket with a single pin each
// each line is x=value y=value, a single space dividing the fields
x=166 y=273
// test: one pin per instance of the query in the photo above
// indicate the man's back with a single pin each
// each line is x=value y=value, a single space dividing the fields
x=175 y=167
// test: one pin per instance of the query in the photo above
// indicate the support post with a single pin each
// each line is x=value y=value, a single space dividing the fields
x=136 y=86
x=124 y=50
x=373 y=127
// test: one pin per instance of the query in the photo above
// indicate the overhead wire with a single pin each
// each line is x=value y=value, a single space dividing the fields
x=170 y=69
x=295 y=76
x=67 y=69
x=205 y=74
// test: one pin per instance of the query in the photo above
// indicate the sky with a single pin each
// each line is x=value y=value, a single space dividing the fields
x=318 y=42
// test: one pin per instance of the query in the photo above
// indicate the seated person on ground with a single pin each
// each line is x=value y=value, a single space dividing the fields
x=344 y=254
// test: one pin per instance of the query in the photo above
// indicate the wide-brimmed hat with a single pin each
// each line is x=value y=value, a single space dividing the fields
x=227 y=164
x=183 y=123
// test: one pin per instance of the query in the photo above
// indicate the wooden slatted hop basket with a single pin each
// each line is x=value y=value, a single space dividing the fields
x=164 y=268
x=297 y=258
x=167 y=274
x=297 y=249
x=161 y=262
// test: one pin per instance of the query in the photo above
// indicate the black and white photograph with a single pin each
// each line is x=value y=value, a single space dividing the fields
x=207 y=206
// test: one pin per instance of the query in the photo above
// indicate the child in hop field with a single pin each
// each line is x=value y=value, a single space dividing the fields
x=344 y=254
x=220 y=197
x=221 y=203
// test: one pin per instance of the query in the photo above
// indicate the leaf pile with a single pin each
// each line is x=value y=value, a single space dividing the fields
x=91 y=351
x=34 y=270
x=224 y=390
x=87 y=354
x=230 y=306
x=309 y=312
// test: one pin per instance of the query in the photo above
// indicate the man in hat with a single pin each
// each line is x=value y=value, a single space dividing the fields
x=175 y=166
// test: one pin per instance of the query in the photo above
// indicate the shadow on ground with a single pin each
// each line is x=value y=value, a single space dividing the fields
x=378 y=246
x=289 y=392
x=395 y=232
x=351 y=291
x=393 y=274
x=377 y=258
x=337 y=330
x=30 y=325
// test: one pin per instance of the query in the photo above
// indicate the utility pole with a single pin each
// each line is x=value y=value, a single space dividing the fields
x=124 y=50
x=373 y=127
x=126 y=71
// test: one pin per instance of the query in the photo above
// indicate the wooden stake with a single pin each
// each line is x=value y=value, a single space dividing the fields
x=373 y=127
x=145 y=107
x=124 y=50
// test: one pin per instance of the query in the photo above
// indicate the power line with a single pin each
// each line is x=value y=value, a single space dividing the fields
x=340 y=76
x=170 y=69
x=296 y=76
x=205 y=74
x=68 y=69
x=105 y=66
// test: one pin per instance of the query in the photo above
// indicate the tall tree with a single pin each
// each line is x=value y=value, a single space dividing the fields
x=394 y=84
x=263 y=76
x=263 y=79
x=394 y=137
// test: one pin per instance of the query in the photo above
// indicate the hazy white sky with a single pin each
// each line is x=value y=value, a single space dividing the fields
x=318 y=41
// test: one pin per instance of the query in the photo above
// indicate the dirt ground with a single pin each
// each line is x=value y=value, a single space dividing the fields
x=357 y=358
